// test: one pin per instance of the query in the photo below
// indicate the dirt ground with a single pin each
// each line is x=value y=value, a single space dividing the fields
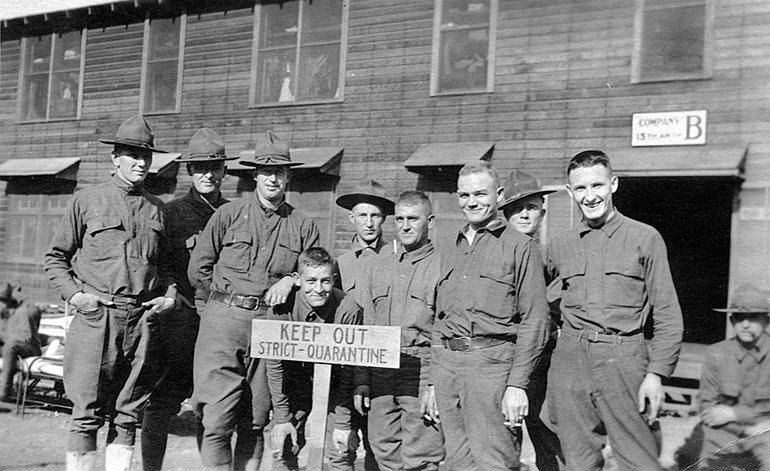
x=37 y=442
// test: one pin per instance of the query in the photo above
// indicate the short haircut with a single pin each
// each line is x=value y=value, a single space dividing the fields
x=314 y=257
x=589 y=158
x=480 y=166
x=415 y=198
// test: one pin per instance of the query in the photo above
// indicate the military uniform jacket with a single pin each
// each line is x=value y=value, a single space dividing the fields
x=185 y=218
x=112 y=238
x=245 y=248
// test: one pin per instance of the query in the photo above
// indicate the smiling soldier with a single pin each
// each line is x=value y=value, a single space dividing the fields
x=614 y=273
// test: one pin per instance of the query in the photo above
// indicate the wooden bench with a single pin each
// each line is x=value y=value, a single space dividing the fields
x=682 y=388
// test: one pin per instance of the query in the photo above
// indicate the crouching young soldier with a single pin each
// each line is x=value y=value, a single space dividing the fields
x=314 y=300
x=404 y=429
x=735 y=389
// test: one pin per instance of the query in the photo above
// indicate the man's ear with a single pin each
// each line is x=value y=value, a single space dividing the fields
x=351 y=218
x=500 y=195
x=115 y=160
x=295 y=275
x=614 y=183
x=189 y=169
x=431 y=220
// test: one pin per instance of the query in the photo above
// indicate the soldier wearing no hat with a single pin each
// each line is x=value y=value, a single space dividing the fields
x=524 y=211
x=242 y=263
x=107 y=260
x=173 y=342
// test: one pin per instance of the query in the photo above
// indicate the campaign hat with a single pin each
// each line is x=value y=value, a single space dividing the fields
x=748 y=299
x=206 y=145
x=371 y=192
x=271 y=150
x=521 y=185
x=135 y=132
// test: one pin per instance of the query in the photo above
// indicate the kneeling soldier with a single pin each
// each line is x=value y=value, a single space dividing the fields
x=315 y=300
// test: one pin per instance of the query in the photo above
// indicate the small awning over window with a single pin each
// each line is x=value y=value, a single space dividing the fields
x=437 y=156
x=163 y=165
x=324 y=160
x=682 y=161
x=60 y=167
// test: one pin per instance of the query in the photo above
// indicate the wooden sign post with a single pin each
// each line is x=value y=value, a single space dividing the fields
x=325 y=345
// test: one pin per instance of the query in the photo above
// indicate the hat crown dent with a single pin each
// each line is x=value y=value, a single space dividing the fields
x=136 y=128
x=207 y=142
x=749 y=298
x=521 y=182
x=271 y=145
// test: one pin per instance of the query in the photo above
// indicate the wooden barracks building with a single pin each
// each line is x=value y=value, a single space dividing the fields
x=677 y=92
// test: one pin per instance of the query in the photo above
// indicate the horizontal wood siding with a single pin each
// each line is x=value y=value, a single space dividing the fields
x=562 y=84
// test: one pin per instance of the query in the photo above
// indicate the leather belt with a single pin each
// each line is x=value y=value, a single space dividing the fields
x=415 y=350
x=598 y=337
x=252 y=303
x=466 y=344
x=117 y=299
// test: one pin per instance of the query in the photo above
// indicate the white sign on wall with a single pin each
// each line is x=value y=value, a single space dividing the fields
x=676 y=128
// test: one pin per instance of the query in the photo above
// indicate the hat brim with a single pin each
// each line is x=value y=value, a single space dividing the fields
x=129 y=144
x=275 y=164
x=204 y=159
x=738 y=310
x=516 y=198
x=350 y=200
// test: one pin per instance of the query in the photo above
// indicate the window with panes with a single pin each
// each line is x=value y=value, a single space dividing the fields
x=299 y=50
x=464 y=35
x=52 y=76
x=162 y=65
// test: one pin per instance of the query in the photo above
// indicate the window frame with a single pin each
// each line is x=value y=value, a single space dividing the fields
x=22 y=74
x=255 y=58
x=706 y=72
x=435 y=59
x=143 y=87
x=44 y=211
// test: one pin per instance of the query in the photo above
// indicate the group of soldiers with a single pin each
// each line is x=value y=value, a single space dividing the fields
x=165 y=295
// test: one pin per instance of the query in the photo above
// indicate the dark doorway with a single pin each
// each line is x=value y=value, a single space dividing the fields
x=693 y=214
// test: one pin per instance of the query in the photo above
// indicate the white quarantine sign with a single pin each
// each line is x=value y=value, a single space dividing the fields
x=341 y=344
x=671 y=128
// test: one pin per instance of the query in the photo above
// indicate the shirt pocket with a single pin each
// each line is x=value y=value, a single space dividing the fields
x=496 y=294
x=105 y=239
x=381 y=304
x=572 y=277
x=624 y=284
x=285 y=260
x=151 y=234
x=236 y=251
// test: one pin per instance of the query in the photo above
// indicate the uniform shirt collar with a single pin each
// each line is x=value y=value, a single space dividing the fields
x=358 y=249
x=758 y=352
x=495 y=227
x=307 y=313
x=609 y=227
x=126 y=187
x=415 y=255
x=283 y=209
x=200 y=200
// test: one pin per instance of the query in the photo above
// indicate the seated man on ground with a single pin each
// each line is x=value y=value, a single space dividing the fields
x=20 y=336
x=735 y=388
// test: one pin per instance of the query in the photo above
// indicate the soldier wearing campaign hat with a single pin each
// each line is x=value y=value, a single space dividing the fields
x=524 y=211
x=172 y=342
x=523 y=205
x=367 y=209
x=242 y=263
x=734 y=405
x=107 y=260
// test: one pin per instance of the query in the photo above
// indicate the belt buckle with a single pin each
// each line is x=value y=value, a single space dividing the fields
x=465 y=344
x=250 y=302
x=595 y=338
